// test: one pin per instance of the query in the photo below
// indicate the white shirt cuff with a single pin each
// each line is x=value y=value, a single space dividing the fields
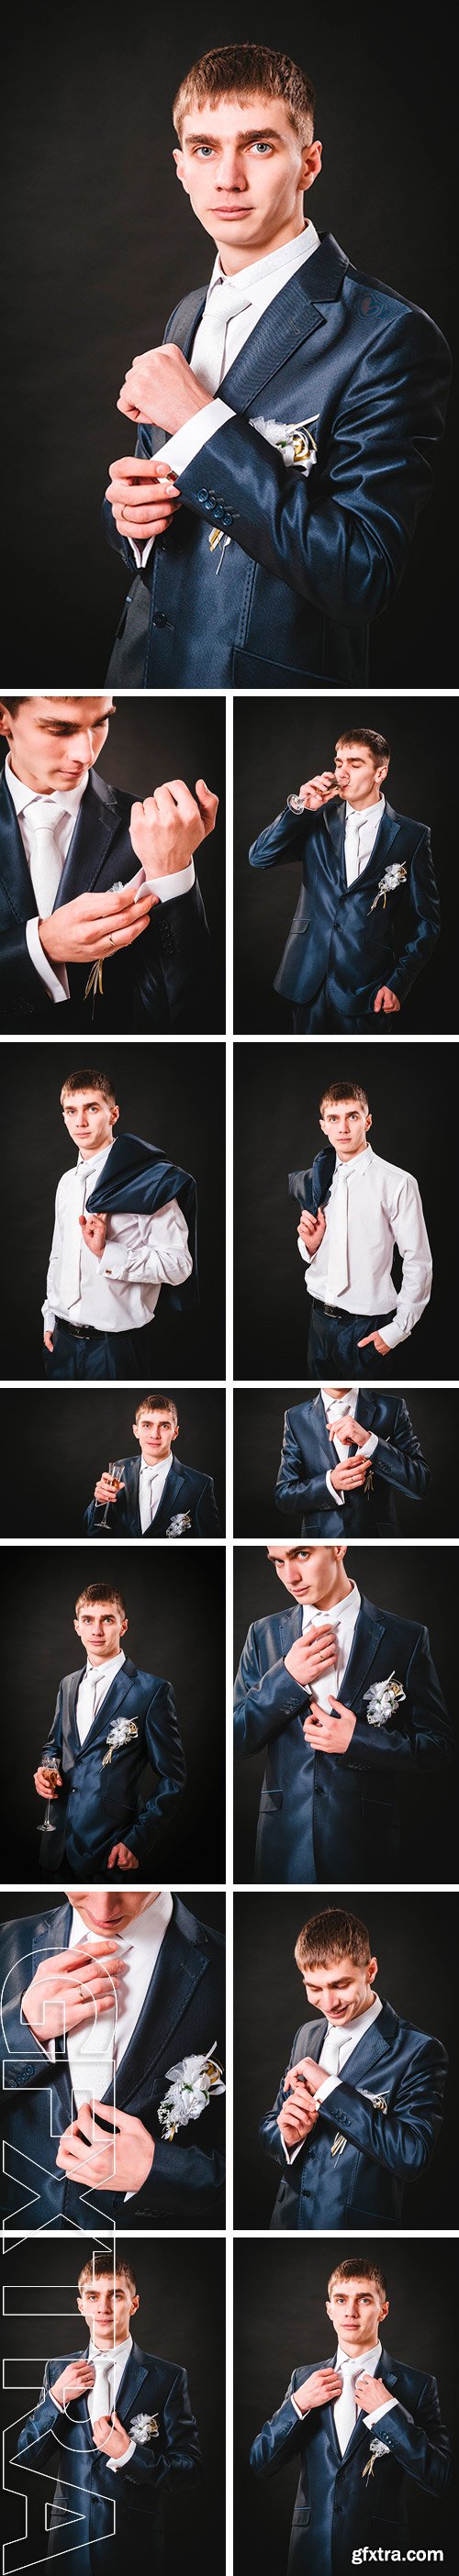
x=167 y=888
x=121 y=2464
x=391 y=1333
x=300 y=2410
x=49 y=1318
x=56 y=983
x=378 y=2411
x=141 y=553
x=186 y=442
x=331 y=1489
x=291 y=2152
x=331 y=2085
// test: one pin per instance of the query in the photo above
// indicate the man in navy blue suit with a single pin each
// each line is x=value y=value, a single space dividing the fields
x=103 y=1998
x=110 y=1720
x=346 y=1457
x=83 y=927
x=154 y=1495
x=368 y=914
x=360 y=2106
x=302 y=403
x=113 y=2429
x=345 y=1701
x=360 y=2425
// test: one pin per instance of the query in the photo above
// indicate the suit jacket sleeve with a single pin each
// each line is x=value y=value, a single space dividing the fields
x=421 y=2442
x=425 y=919
x=165 y=1753
x=293 y=1490
x=53 y=1744
x=19 y=978
x=282 y=2436
x=270 y=2135
x=421 y=1735
x=182 y=2178
x=401 y=2139
x=177 y=2454
x=180 y=946
x=264 y=1703
x=208 y=1523
x=400 y=1461
x=37 y=2435
x=283 y=839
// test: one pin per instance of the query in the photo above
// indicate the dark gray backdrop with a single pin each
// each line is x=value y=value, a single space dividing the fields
x=55 y=1447
x=417 y=1583
x=101 y=245
x=275 y=748
x=176 y=1611
x=414 y=1940
x=276 y=1131
x=258 y=1429
x=281 y=2321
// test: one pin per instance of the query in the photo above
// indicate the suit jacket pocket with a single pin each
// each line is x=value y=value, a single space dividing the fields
x=270 y=1801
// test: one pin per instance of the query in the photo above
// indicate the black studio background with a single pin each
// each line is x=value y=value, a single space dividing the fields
x=151 y=740
x=73 y=1441
x=276 y=1131
x=181 y=2317
x=174 y=1096
x=175 y=1607
x=281 y=2321
x=416 y=1584
x=414 y=1940
x=258 y=1430
x=275 y=748
x=101 y=245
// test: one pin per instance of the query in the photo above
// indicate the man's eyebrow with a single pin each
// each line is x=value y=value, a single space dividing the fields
x=60 y=724
x=247 y=134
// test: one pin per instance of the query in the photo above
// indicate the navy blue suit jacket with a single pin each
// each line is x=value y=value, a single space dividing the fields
x=155 y=984
x=338 y=2506
x=312 y=558
x=397 y=1466
x=124 y=2508
x=347 y=937
x=321 y=1811
x=183 y=2014
x=99 y=1803
x=185 y=1490
x=388 y=2109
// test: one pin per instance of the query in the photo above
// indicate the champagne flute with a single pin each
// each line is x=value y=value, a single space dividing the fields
x=117 y=1480
x=51 y=1770
x=296 y=804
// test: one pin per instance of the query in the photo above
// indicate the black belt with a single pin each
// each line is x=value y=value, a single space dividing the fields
x=341 y=1315
x=79 y=1332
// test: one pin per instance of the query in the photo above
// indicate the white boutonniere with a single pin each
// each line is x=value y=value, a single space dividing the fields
x=393 y=877
x=382 y=1698
x=145 y=2428
x=293 y=439
x=176 y=1528
x=190 y=2087
x=120 y=1732
x=378 y=2450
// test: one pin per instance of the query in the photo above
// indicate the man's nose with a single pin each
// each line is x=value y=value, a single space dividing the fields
x=231 y=172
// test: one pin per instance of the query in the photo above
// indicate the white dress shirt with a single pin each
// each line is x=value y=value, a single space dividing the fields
x=335 y=1409
x=339 y=2044
x=343 y=1618
x=120 y=1291
x=109 y=2370
x=64 y=807
x=138 y=1945
x=262 y=281
x=360 y=832
x=373 y=1206
x=92 y=1690
x=151 y=1486
x=365 y=2361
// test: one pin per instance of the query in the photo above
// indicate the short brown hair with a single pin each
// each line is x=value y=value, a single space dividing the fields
x=333 y=1935
x=374 y=742
x=88 y=1080
x=99 y=2265
x=243 y=71
x=358 y=2270
x=343 y=1091
x=100 y=1592
x=156 y=1404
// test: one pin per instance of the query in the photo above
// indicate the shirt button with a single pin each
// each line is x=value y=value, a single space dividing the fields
x=160 y=618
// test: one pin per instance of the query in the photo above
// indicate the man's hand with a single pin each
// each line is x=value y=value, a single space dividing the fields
x=124 y=1858
x=45 y=1787
x=370 y=2392
x=380 y=1346
x=72 y=1988
x=317 y=791
x=322 y=2389
x=349 y=1431
x=329 y=1734
x=75 y=2381
x=119 y=2154
x=386 y=1000
x=143 y=498
x=94 y=1232
x=107 y=1489
x=48 y=1339
x=111 y=2436
x=311 y=1656
x=311 y=1229
x=94 y=926
x=295 y=2123
x=161 y=387
x=170 y=825
x=311 y=2075
x=343 y=1478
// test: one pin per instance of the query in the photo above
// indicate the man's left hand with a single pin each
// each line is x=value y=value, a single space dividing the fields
x=94 y=1232
x=170 y=825
x=111 y=2436
x=307 y=2071
x=122 y=1856
x=329 y=1734
x=369 y=2392
x=118 y=2156
x=386 y=1000
x=380 y=1345
x=161 y=387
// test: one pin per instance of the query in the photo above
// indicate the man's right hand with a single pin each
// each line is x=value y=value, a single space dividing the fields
x=345 y=1476
x=143 y=497
x=48 y=1339
x=311 y=1229
x=317 y=791
x=323 y=2387
x=298 y=2116
x=45 y=1787
x=94 y=925
x=312 y=1656
x=55 y=2003
x=75 y=2381
x=107 y=1489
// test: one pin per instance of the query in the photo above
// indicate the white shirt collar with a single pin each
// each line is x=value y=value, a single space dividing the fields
x=347 y=1608
x=348 y=1401
x=353 y=2031
x=365 y=813
x=156 y=1466
x=290 y=256
x=93 y=1162
x=63 y=800
x=119 y=2353
x=360 y=1163
x=112 y=1664
x=146 y=1929
x=364 y=2360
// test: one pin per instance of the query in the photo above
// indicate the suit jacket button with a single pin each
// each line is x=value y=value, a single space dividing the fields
x=160 y=619
x=203 y=496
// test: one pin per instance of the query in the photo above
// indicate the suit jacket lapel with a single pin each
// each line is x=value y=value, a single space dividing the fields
x=371 y=2048
x=319 y=1425
x=15 y=874
x=298 y=310
x=94 y=830
x=114 y=1697
x=169 y=1499
x=51 y=1935
x=365 y=1409
x=368 y=1635
x=179 y=1969
x=131 y=1481
x=335 y=819
x=134 y=2373
x=362 y=2431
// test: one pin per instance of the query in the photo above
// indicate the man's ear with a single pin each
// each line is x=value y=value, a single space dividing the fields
x=311 y=164
x=135 y=1431
x=177 y=156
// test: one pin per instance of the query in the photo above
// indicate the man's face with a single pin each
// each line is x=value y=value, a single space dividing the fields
x=52 y=741
x=245 y=172
x=107 y=2306
x=310 y=1573
x=347 y=1126
x=359 y=777
x=101 y=1625
x=90 y=1119
x=356 y=2309
x=104 y=1912
x=340 y=1989
x=155 y=1431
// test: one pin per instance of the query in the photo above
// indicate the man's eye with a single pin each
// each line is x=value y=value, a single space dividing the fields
x=261 y=147
x=204 y=151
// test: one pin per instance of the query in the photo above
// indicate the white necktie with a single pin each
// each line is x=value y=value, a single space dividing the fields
x=86 y=1707
x=329 y=1682
x=45 y=864
x=90 y=2052
x=331 y=2052
x=338 y=1266
x=224 y=302
x=345 y=2411
x=100 y=2397
x=71 y=1249
x=352 y=847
